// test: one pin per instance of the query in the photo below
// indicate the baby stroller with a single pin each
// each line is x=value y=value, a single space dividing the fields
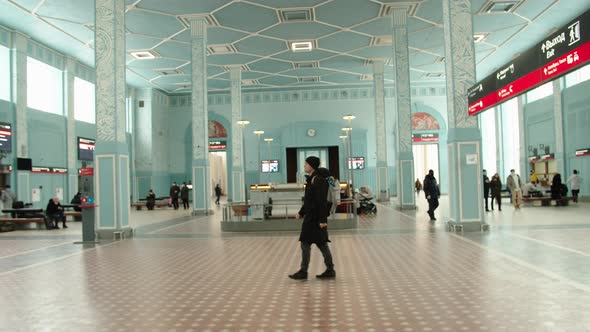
x=366 y=205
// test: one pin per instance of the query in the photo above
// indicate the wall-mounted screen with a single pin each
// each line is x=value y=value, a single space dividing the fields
x=270 y=166
x=85 y=149
x=356 y=163
x=5 y=137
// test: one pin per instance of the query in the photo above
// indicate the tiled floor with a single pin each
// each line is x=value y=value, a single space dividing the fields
x=396 y=272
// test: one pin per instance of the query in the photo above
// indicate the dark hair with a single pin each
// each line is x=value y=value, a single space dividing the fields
x=575 y=172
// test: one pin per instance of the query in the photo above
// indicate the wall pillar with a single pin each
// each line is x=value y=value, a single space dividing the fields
x=559 y=150
x=238 y=188
x=111 y=160
x=464 y=140
x=382 y=181
x=19 y=99
x=200 y=125
x=71 y=143
x=405 y=156
x=524 y=152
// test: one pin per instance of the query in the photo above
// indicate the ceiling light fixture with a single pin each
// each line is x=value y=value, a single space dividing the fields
x=479 y=37
x=144 y=54
x=301 y=46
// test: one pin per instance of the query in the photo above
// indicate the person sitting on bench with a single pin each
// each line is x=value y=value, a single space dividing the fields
x=77 y=200
x=55 y=212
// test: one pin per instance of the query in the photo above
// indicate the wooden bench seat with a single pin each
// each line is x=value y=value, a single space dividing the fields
x=140 y=205
x=546 y=201
x=73 y=213
x=22 y=220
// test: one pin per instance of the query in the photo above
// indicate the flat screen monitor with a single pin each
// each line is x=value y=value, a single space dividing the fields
x=5 y=137
x=356 y=163
x=85 y=149
x=270 y=166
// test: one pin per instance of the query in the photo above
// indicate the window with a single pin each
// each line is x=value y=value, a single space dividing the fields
x=510 y=136
x=487 y=122
x=44 y=87
x=540 y=92
x=129 y=119
x=84 y=108
x=578 y=76
x=4 y=73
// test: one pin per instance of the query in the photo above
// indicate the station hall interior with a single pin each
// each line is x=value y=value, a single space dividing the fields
x=116 y=100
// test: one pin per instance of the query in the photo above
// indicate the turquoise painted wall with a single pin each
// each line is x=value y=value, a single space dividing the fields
x=576 y=117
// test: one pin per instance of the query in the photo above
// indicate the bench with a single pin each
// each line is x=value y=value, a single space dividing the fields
x=76 y=214
x=140 y=205
x=22 y=220
x=546 y=201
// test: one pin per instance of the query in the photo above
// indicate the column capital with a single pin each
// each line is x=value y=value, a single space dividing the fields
x=20 y=41
x=70 y=63
x=235 y=72
x=198 y=27
x=399 y=16
x=378 y=66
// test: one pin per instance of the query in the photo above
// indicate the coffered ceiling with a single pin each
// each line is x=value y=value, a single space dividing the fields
x=255 y=34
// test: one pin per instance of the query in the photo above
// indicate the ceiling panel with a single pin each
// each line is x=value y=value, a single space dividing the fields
x=146 y=73
x=346 y=13
x=230 y=59
x=342 y=78
x=346 y=63
x=500 y=36
x=261 y=45
x=309 y=72
x=430 y=10
x=270 y=66
x=81 y=11
x=377 y=27
x=288 y=3
x=494 y=22
x=137 y=42
x=152 y=24
x=156 y=63
x=427 y=38
x=531 y=9
x=79 y=31
x=314 y=55
x=344 y=41
x=175 y=50
x=374 y=52
x=246 y=17
x=171 y=79
x=299 y=30
x=182 y=7
x=218 y=84
x=278 y=80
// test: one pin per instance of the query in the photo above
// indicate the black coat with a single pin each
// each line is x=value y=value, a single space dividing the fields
x=315 y=211
x=486 y=186
x=431 y=187
x=174 y=191
x=52 y=208
x=184 y=193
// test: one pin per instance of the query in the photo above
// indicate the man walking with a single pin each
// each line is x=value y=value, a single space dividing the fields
x=514 y=184
x=184 y=195
x=432 y=193
x=315 y=221
x=174 y=192
x=486 y=188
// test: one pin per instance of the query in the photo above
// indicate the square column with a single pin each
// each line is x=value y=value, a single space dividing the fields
x=405 y=156
x=71 y=143
x=238 y=188
x=111 y=160
x=382 y=189
x=464 y=140
x=559 y=151
x=200 y=171
x=19 y=98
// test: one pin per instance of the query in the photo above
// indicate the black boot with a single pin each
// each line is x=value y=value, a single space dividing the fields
x=328 y=274
x=299 y=275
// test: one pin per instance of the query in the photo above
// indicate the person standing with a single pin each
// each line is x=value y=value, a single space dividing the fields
x=575 y=181
x=184 y=195
x=314 y=228
x=418 y=185
x=217 y=193
x=486 y=188
x=150 y=200
x=174 y=192
x=496 y=188
x=514 y=184
x=432 y=193
x=7 y=197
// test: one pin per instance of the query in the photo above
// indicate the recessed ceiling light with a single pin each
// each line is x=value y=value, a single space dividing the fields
x=249 y=82
x=367 y=77
x=382 y=40
x=479 y=37
x=144 y=55
x=500 y=6
x=305 y=65
x=434 y=75
x=296 y=14
x=222 y=49
x=301 y=46
x=308 y=79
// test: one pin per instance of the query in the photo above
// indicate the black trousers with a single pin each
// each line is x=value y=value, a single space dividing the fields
x=432 y=205
x=575 y=194
x=485 y=196
x=185 y=203
x=306 y=254
x=498 y=198
x=175 y=203
x=217 y=200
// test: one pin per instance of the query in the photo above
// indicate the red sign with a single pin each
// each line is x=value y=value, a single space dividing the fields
x=87 y=171
x=583 y=152
x=425 y=138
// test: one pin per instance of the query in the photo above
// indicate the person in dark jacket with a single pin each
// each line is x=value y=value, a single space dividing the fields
x=184 y=195
x=55 y=212
x=496 y=188
x=486 y=188
x=77 y=200
x=150 y=200
x=174 y=192
x=432 y=193
x=217 y=193
x=315 y=221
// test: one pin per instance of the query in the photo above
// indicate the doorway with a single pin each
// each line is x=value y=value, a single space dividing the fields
x=218 y=171
x=426 y=158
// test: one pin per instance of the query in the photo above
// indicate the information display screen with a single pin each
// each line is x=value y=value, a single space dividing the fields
x=270 y=166
x=5 y=137
x=85 y=149
x=356 y=163
x=563 y=51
